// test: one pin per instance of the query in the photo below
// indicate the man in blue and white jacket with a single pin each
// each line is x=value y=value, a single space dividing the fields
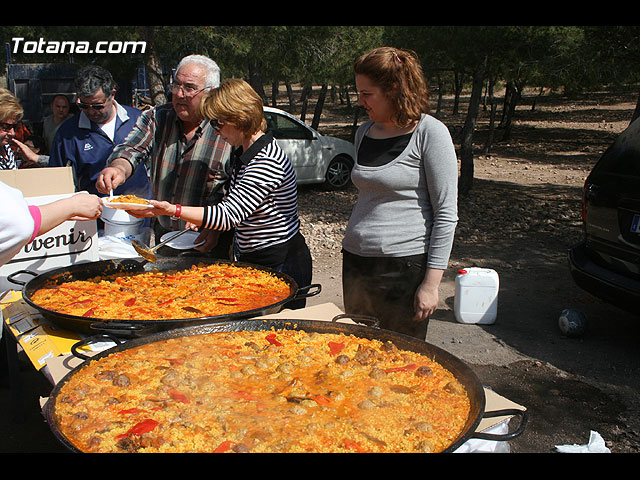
x=86 y=140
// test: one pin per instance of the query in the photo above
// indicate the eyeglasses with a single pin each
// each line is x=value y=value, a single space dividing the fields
x=95 y=106
x=8 y=126
x=216 y=124
x=187 y=90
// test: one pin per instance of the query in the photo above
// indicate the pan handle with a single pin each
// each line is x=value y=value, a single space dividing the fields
x=366 y=319
x=301 y=291
x=84 y=341
x=523 y=414
x=18 y=282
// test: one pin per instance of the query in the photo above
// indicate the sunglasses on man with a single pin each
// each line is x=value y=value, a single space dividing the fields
x=95 y=106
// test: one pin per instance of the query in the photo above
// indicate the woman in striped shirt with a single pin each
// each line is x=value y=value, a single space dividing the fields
x=262 y=203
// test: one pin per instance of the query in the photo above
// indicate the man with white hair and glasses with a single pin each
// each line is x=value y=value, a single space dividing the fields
x=187 y=159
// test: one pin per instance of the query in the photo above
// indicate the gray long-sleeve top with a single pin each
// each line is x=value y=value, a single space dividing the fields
x=408 y=206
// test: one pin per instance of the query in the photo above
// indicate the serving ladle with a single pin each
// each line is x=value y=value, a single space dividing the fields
x=149 y=253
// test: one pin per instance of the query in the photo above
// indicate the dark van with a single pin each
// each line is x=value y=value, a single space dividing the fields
x=606 y=263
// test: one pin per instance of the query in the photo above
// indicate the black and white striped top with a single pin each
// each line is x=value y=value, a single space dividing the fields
x=7 y=158
x=262 y=203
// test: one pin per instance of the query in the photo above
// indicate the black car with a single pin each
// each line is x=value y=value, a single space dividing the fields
x=606 y=263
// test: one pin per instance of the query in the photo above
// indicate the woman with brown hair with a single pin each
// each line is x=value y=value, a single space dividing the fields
x=400 y=233
x=262 y=203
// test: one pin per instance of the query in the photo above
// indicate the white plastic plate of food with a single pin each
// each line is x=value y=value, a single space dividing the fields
x=184 y=241
x=126 y=202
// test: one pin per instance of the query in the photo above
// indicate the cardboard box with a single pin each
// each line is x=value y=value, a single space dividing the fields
x=18 y=316
x=69 y=243
x=37 y=182
x=47 y=341
x=38 y=337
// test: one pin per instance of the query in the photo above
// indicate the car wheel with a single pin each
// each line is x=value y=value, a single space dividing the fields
x=338 y=174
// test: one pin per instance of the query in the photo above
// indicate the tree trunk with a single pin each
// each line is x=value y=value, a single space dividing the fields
x=636 y=112
x=492 y=117
x=304 y=100
x=153 y=69
x=255 y=78
x=317 y=113
x=274 y=93
x=516 y=94
x=485 y=95
x=466 y=147
x=508 y=91
x=292 y=101
x=458 y=83
x=347 y=95
x=535 y=100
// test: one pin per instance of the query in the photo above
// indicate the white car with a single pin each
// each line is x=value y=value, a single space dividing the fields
x=316 y=158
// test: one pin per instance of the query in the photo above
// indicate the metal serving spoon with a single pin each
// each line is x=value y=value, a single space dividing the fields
x=148 y=253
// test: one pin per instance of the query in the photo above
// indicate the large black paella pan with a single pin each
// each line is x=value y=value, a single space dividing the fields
x=134 y=328
x=459 y=369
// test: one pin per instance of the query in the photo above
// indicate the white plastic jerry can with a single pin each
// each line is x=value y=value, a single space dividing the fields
x=476 y=295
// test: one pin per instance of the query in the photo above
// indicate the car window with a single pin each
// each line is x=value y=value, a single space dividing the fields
x=283 y=127
x=623 y=163
x=623 y=157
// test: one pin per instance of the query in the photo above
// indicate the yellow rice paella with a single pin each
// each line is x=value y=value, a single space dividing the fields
x=200 y=291
x=262 y=391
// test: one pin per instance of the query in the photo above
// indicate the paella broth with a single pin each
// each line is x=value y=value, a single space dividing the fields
x=265 y=391
x=202 y=290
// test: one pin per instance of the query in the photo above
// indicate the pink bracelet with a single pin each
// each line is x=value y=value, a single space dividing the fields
x=37 y=220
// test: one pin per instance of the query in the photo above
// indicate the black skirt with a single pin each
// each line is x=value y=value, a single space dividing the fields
x=292 y=258
x=384 y=287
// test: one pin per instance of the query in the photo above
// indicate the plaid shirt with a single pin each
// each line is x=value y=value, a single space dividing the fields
x=186 y=173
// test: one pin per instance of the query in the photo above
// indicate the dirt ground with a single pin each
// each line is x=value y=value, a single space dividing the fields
x=519 y=219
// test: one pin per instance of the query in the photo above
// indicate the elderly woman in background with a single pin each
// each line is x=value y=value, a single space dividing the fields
x=11 y=113
x=400 y=233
